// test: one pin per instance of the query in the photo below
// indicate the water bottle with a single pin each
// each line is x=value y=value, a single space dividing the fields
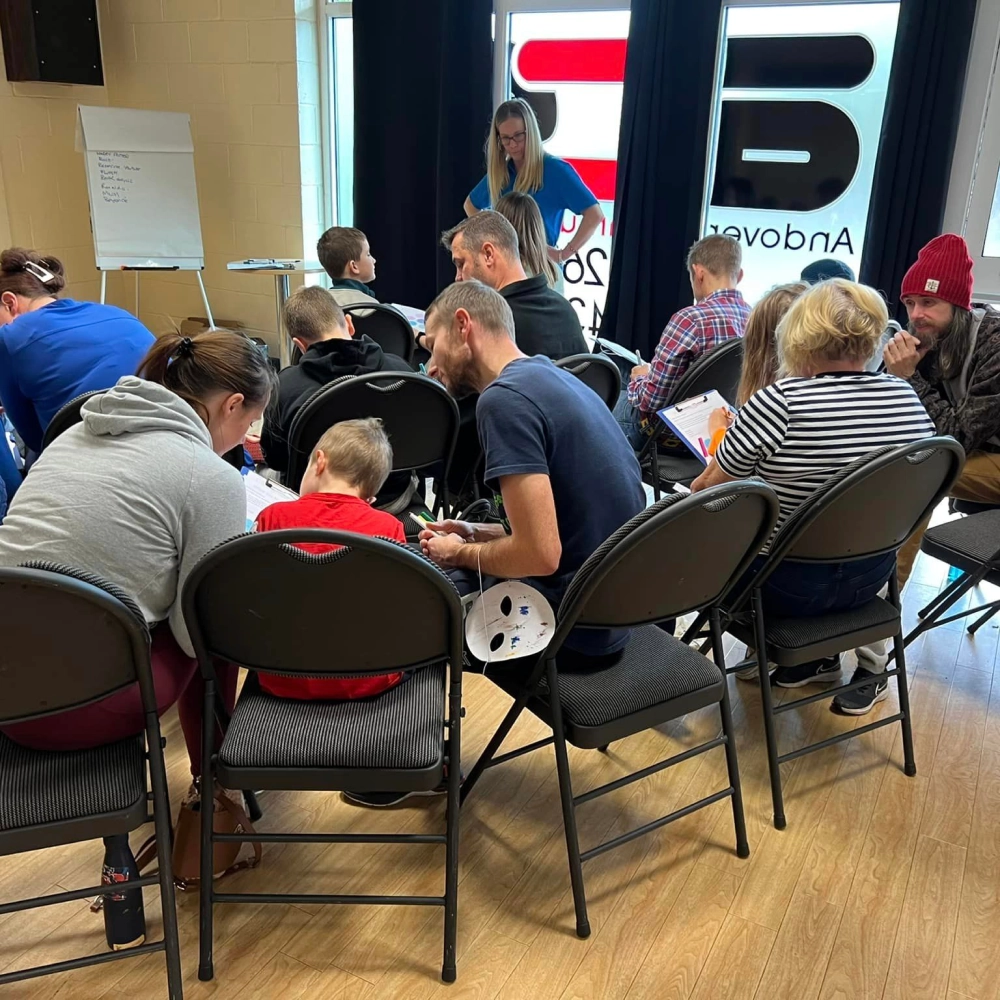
x=124 y=919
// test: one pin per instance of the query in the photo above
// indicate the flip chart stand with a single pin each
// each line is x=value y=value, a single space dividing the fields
x=160 y=267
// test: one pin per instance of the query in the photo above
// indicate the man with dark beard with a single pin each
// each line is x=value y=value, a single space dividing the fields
x=547 y=438
x=950 y=354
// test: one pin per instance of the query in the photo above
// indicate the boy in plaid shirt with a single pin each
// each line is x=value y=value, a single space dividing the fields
x=719 y=314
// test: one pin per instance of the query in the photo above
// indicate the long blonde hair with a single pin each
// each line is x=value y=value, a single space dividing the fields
x=760 y=351
x=836 y=320
x=521 y=211
x=529 y=177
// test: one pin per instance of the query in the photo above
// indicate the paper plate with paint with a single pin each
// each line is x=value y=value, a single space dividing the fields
x=508 y=621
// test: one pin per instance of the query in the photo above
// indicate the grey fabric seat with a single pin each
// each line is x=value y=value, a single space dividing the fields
x=791 y=641
x=39 y=787
x=398 y=730
x=657 y=676
x=967 y=542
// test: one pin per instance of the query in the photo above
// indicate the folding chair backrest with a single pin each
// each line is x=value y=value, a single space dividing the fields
x=373 y=606
x=599 y=372
x=69 y=638
x=719 y=369
x=682 y=554
x=873 y=506
x=67 y=415
x=419 y=416
x=387 y=326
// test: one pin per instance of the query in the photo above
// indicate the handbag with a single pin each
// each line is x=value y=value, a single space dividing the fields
x=229 y=817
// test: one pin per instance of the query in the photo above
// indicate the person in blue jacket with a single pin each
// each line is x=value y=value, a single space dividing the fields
x=516 y=161
x=53 y=349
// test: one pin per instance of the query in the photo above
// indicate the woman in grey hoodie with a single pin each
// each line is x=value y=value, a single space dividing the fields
x=137 y=493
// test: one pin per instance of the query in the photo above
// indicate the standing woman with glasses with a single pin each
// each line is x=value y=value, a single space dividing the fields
x=516 y=161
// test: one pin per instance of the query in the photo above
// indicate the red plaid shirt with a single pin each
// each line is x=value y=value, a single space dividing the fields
x=691 y=332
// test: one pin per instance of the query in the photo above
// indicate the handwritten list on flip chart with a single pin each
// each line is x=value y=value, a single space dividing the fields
x=117 y=176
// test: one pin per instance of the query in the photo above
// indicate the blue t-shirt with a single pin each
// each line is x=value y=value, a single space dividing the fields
x=537 y=418
x=561 y=189
x=52 y=354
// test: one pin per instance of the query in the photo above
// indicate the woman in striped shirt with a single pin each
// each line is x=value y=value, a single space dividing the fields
x=825 y=413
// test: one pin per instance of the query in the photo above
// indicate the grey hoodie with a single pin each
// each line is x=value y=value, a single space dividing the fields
x=134 y=493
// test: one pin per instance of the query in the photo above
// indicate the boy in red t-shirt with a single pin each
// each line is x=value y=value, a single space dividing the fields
x=350 y=465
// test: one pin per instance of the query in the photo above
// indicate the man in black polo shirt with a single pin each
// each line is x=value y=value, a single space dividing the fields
x=484 y=247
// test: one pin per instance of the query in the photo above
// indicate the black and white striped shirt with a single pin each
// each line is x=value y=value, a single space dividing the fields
x=799 y=432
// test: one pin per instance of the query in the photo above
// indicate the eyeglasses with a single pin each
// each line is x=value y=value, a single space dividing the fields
x=512 y=140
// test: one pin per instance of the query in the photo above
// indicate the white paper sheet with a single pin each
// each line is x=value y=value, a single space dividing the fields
x=689 y=421
x=262 y=493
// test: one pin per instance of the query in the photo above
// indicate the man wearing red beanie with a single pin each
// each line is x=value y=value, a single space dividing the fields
x=950 y=354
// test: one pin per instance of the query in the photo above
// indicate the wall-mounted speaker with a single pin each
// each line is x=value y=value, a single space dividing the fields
x=53 y=41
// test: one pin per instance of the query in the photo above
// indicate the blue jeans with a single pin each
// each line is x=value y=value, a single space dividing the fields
x=801 y=590
x=628 y=418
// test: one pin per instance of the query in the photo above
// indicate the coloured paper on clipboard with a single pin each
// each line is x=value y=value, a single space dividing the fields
x=689 y=421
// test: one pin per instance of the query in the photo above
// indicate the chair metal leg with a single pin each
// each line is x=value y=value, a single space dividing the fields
x=902 y=685
x=496 y=741
x=655 y=466
x=774 y=768
x=943 y=597
x=254 y=811
x=603 y=749
x=980 y=622
x=205 y=962
x=448 y=970
x=732 y=763
x=162 y=826
x=569 y=814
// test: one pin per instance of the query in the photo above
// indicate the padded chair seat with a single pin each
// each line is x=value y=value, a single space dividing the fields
x=791 y=641
x=335 y=744
x=44 y=787
x=657 y=678
x=966 y=542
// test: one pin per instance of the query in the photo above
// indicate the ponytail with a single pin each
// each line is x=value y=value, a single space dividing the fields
x=198 y=367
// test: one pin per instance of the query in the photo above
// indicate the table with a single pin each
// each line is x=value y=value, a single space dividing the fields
x=282 y=271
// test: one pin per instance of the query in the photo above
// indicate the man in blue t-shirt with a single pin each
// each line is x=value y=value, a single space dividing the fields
x=547 y=439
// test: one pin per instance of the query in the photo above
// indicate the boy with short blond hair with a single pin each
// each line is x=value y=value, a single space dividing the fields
x=349 y=466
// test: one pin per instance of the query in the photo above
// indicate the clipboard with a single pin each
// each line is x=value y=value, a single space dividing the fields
x=688 y=419
x=261 y=493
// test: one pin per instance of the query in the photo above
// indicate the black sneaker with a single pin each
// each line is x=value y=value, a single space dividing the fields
x=825 y=671
x=862 y=700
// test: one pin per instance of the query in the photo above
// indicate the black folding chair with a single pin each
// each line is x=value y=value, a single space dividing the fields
x=419 y=416
x=599 y=372
x=265 y=604
x=869 y=509
x=71 y=639
x=719 y=369
x=680 y=555
x=972 y=545
x=386 y=325
x=67 y=415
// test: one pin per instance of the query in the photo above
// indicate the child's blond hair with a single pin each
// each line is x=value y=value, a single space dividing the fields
x=359 y=452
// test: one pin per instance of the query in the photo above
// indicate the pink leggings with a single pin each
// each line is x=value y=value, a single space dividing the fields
x=176 y=678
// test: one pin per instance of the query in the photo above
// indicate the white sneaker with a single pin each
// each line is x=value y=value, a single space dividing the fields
x=746 y=669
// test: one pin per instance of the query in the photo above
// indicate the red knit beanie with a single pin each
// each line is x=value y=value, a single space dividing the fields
x=943 y=271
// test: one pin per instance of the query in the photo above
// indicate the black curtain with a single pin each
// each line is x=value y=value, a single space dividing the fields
x=933 y=39
x=422 y=100
x=662 y=152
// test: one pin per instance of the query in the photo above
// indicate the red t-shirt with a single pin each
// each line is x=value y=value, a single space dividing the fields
x=340 y=513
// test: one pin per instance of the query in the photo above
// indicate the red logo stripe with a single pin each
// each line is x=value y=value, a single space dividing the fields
x=573 y=60
x=599 y=175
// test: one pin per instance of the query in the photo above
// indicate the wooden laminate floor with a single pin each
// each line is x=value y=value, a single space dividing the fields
x=882 y=886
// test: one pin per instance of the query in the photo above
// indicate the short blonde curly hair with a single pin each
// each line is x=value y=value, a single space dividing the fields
x=835 y=320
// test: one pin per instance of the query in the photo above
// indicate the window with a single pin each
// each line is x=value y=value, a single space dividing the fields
x=974 y=192
x=798 y=112
x=338 y=114
x=567 y=59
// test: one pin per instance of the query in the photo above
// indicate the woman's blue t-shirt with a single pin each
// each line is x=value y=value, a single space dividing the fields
x=561 y=190
x=55 y=353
